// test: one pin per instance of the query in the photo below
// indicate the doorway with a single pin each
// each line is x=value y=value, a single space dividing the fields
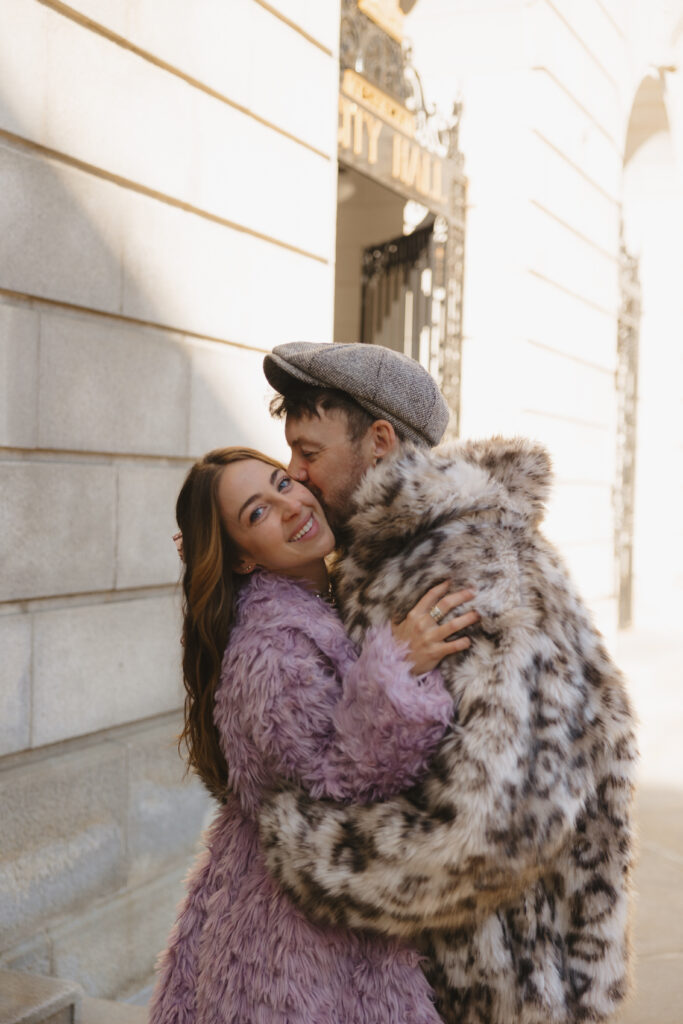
x=390 y=285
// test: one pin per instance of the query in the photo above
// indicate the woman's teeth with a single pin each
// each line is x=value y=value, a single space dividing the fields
x=304 y=530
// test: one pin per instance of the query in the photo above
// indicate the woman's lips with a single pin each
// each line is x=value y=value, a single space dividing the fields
x=309 y=528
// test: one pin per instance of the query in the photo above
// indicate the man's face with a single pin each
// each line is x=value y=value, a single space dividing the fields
x=326 y=459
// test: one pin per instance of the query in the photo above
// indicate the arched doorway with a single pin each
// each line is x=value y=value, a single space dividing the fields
x=653 y=236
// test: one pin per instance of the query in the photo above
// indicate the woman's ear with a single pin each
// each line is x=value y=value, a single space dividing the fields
x=384 y=439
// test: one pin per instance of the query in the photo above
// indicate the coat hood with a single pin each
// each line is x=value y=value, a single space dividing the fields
x=496 y=475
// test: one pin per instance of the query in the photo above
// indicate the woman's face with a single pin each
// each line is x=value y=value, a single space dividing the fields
x=276 y=522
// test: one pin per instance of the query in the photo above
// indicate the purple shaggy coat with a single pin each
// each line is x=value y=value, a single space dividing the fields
x=297 y=701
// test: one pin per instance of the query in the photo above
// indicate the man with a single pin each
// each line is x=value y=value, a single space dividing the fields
x=334 y=435
x=509 y=862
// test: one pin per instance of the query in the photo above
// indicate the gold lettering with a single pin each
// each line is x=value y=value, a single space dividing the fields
x=437 y=185
x=355 y=87
x=354 y=122
x=405 y=155
x=374 y=130
x=396 y=157
x=411 y=166
x=385 y=13
x=345 y=111
x=358 y=120
x=424 y=174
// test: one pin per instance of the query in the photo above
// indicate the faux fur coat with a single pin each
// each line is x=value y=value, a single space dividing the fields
x=297 y=701
x=510 y=860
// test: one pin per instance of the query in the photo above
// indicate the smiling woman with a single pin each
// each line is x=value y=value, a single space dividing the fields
x=280 y=525
x=276 y=690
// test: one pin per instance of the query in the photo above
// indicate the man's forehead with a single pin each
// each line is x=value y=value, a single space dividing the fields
x=328 y=426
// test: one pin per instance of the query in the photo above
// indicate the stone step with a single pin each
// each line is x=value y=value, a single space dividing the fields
x=34 y=999
x=106 y=1011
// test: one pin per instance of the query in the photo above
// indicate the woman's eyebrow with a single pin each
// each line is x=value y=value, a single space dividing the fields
x=258 y=497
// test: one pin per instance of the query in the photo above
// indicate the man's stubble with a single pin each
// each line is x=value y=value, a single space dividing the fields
x=339 y=504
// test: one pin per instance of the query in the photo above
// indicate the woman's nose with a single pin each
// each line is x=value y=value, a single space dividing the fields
x=291 y=505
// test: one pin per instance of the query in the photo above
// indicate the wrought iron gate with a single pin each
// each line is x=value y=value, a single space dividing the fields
x=403 y=305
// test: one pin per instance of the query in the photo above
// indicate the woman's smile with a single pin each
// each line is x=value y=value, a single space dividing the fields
x=275 y=521
x=307 y=531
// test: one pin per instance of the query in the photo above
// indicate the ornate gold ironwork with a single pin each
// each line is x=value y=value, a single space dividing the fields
x=369 y=50
x=385 y=13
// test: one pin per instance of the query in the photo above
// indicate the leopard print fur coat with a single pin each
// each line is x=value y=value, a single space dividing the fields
x=509 y=863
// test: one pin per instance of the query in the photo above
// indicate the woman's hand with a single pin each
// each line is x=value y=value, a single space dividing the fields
x=424 y=632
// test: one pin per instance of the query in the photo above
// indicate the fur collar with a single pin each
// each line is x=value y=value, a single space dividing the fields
x=510 y=476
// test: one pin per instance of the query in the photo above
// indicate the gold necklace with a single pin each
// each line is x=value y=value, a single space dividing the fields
x=327 y=596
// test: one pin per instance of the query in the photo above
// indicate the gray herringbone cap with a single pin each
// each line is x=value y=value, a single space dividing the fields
x=389 y=385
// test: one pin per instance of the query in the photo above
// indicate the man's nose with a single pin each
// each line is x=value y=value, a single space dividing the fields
x=297 y=469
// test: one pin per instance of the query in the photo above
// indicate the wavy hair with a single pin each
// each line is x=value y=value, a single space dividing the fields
x=210 y=586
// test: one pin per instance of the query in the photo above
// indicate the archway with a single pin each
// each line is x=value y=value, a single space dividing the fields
x=653 y=235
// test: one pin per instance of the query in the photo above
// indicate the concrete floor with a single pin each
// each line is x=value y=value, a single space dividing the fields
x=653 y=663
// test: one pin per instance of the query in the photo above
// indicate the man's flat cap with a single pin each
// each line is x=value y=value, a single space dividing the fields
x=387 y=384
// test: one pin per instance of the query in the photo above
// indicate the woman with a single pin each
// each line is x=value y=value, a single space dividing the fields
x=275 y=690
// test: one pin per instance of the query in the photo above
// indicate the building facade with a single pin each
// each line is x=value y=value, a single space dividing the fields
x=167 y=195
x=572 y=129
x=182 y=186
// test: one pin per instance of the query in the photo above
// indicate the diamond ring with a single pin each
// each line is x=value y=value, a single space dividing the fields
x=436 y=613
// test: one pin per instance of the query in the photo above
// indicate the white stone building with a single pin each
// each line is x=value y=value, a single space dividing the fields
x=572 y=132
x=167 y=214
x=183 y=186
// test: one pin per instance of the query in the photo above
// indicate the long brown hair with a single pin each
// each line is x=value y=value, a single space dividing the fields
x=210 y=586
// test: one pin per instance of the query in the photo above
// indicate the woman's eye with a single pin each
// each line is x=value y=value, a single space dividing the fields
x=256 y=514
x=284 y=483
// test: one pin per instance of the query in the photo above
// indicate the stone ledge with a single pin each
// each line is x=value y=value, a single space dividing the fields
x=110 y=949
x=33 y=999
x=106 y=1011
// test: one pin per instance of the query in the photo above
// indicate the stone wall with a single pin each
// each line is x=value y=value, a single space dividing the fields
x=167 y=190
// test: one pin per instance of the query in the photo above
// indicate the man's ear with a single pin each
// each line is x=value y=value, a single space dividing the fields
x=383 y=439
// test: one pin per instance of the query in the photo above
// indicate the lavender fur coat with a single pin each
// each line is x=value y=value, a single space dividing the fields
x=297 y=701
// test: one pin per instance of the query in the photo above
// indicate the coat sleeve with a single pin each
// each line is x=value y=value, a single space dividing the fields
x=502 y=795
x=356 y=727
x=416 y=860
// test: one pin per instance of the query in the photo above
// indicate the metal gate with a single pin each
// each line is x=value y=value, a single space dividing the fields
x=404 y=293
